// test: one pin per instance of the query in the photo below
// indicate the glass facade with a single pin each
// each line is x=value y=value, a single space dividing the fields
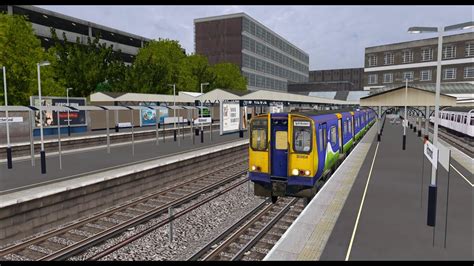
x=268 y=61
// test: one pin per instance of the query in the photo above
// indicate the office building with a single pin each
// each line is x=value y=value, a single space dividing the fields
x=266 y=59
x=389 y=65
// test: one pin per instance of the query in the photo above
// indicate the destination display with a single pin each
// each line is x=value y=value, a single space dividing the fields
x=301 y=123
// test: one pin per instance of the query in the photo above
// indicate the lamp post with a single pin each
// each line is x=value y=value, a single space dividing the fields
x=405 y=118
x=42 y=153
x=440 y=30
x=202 y=110
x=174 y=109
x=9 y=149
x=68 y=119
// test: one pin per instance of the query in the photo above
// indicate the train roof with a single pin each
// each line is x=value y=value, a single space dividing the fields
x=326 y=112
x=463 y=109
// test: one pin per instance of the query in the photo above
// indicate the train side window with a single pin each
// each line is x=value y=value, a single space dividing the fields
x=472 y=120
x=320 y=138
x=459 y=118
x=333 y=135
x=345 y=127
x=349 y=129
x=259 y=135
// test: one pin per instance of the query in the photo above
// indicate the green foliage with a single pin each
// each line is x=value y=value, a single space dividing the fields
x=90 y=66
x=87 y=66
x=228 y=76
x=20 y=51
x=156 y=66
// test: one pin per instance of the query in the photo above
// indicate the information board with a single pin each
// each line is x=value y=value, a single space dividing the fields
x=230 y=117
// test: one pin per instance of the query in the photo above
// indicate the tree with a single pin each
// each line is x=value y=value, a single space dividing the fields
x=87 y=67
x=228 y=76
x=156 y=66
x=20 y=51
x=194 y=70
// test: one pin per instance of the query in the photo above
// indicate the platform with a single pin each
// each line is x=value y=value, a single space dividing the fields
x=383 y=217
x=81 y=161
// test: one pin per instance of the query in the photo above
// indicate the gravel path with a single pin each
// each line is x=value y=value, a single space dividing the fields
x=190 y=232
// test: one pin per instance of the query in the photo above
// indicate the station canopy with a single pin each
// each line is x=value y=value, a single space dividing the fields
x=413 y=96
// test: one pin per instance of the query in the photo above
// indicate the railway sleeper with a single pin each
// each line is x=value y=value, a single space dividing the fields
x=54 y=246
x=31 y=254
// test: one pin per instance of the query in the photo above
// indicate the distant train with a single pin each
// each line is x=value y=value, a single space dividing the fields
x=459 y=120
x=292 y=154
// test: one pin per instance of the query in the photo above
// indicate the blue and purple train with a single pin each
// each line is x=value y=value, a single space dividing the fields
x=292 y=154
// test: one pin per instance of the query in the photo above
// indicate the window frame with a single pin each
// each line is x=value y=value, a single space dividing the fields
x=294 y=129
x=335 y=135
x=252 y=127
x=369 y=79
x=469 y=49
x=407 y=56
x=372 y=60
x=430 y=54
x=388 y=59
x=466 y=71
x=452 y=50
x=430 y=76
x=412 y=75
x=445 y=72
x=391 y=78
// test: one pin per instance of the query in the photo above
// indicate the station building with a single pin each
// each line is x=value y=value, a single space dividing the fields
x=391 y=64
x=43 y=20
x=265 y=58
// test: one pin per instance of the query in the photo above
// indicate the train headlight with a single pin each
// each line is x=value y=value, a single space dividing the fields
x=307 y=172
x=295 y=172
x=254 y=167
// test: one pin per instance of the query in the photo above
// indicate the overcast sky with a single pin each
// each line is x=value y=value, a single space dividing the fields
x=333 y=36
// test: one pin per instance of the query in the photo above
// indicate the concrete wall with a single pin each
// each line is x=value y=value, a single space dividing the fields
x=30 y=217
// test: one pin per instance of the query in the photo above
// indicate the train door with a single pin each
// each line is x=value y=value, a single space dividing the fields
x=339 y=124
x=279 y=147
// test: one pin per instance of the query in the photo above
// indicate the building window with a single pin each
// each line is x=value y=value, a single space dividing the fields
x=372 y=79
x=449 y=73
x=425 y=75
x=427 y=54
x=469 y=49
x=388 y=78
x=469 y=72
x=449 y=51
x=372 y=60
x=407 y=56
x=408 y=75
x=388 y=59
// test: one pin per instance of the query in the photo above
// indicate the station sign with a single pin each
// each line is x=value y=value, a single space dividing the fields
x=202 y=120
x=431 y=152
x=11 y=119
x=444 y=156
x=251 y=102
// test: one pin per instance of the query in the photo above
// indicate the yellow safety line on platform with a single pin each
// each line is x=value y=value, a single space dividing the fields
x=472 y=185
x=361 y=204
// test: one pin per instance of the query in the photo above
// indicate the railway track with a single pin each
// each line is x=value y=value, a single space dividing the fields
x=78 y=236
x=458 y=142
x=252 y=237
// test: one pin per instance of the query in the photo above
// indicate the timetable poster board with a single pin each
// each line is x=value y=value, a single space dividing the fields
x=77 y=118
x=230 y=117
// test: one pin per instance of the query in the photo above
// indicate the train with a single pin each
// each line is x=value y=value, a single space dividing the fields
x=293 y=154
x=459 y=120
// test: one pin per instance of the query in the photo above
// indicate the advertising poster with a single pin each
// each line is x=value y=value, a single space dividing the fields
x=276 y=107
x=50 y=117
x=148 y=116
x=230 y=117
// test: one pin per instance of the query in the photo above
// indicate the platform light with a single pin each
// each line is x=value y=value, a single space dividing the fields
x=440 y=31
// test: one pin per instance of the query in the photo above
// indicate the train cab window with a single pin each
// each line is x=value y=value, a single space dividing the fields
x=259 y=134
x=302 y=136
x=333 y=135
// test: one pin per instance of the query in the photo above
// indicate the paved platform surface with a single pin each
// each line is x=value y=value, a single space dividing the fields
x=89 y=179
x=392 y=220
x=78 y=162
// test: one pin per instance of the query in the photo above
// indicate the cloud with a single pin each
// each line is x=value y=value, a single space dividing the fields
x=333 y=36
